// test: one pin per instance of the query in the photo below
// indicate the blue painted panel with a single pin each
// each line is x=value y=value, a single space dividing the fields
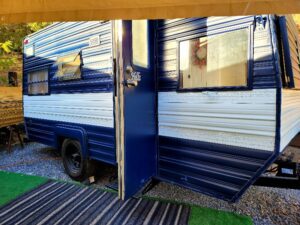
x=69 y=37
x=99 y=142
x=213 y=169
x=140 y=122
x=168 y=32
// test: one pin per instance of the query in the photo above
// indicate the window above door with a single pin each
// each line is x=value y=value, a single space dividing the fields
x=140 y=54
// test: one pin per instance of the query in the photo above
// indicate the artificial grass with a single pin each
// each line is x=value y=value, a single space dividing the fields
x=13 y=185
x=207 y=216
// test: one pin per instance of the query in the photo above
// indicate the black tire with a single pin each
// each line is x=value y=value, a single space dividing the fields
x=75 y=165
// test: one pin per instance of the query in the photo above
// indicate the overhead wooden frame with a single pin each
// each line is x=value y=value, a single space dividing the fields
x=17 y=11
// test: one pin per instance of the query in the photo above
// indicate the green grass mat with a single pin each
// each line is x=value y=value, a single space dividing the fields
x=13 y=185
x=207 y=216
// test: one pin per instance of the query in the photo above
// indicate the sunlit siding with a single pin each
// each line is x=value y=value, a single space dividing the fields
x=63 y=38
x=85 y=103
x=245 y=119
x=217 y=142
x=237 y=118
x=170 y=31
x=290 y=116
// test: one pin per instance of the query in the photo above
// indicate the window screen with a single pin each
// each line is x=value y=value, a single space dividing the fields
x=68 y=67
x=38 y=82
x=215 y=61
x=140 y=43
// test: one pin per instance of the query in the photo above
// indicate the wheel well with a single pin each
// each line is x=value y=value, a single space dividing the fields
x=60 y=141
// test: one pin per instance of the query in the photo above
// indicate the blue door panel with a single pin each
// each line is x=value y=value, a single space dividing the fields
x=140 y=126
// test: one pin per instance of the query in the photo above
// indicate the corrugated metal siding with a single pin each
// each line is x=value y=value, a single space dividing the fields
x=87 y=102
x=70 y=37
x=101 y=142
x=290 y=116
x=237 y=118
x=168 y=31
x=214 y=142
x=84 y=108
x=218 y=170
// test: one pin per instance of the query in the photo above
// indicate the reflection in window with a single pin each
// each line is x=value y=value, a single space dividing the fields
x=140 y=43
x=215 y=61
x=38 y=82
x=68 y=67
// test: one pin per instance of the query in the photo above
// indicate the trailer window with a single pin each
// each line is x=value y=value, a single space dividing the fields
x=29 y=51
x=215 y=61
x=140 y=43
x=290 y=49
x=68 y=67
x=38 y=82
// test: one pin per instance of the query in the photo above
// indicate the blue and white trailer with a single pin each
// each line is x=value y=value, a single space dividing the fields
x=204 y=103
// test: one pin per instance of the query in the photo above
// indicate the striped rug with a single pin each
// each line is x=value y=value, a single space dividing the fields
x=64 y=203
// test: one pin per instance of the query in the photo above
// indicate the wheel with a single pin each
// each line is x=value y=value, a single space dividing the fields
x=75 y=165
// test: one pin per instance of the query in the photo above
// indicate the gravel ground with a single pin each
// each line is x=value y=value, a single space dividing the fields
x=264 y=204
x=34 y=159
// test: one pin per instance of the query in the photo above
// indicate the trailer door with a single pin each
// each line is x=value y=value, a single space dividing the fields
x=136 y=123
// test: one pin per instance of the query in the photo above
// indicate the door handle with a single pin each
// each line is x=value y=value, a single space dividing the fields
x=134 y=77
x=131 y=83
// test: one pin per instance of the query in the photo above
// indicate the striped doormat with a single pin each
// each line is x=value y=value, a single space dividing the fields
x=64 y=203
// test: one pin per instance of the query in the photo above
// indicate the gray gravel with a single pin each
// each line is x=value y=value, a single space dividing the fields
x=34 y=159
x=264 y=204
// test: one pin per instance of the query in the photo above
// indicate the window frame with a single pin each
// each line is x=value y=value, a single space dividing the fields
x=287 y=75
x=136 y=66
x=61 y=79
x=33 y=50
x=48 y=82
x=249 y=81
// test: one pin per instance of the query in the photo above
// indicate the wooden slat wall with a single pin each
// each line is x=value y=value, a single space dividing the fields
x=11 y=106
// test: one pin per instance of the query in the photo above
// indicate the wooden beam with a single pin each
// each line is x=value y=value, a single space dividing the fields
x=16 y=11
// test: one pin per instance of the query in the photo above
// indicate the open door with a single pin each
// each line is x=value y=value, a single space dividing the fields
x=135 y=105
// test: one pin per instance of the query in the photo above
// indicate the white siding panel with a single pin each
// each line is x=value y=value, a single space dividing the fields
x=290 y=116
x=238 y=118
x=88 y=108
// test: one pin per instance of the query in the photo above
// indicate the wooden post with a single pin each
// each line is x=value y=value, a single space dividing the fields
x=13 y=129
x=19 y=137
x=10 y=128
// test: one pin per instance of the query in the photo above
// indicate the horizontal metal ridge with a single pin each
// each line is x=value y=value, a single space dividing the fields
x=203 y=181
x=205 y=170
x=218 y=170
x=233 y=161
